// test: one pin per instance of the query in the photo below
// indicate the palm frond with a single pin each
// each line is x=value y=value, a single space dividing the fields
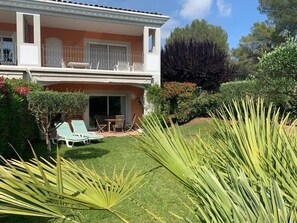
x=258 y=140
x=251 y=174
x=164 y=145
x=50 y=189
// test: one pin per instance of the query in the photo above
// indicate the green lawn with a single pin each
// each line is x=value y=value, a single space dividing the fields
x=161 y=194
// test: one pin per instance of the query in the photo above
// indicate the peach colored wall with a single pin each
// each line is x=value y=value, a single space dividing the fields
x=136 y=108
x=76 y=38
x=7 y=27
x=73 y=37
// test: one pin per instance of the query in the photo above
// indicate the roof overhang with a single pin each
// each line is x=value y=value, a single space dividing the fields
x=85 y=12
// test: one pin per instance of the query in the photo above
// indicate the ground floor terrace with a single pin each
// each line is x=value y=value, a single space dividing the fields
x=110 y=93
x=107 y=100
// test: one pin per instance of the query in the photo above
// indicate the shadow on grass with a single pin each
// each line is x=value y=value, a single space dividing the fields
x=84 y=153
x=23 y=219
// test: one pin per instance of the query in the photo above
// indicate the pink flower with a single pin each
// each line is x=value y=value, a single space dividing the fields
x=22 y=90
x=2 y=84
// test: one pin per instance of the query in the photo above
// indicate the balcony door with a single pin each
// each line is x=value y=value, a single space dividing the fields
x=107 y=55
x=7 y=50
x=116 y=54
x=54 y=52
x=99 y=54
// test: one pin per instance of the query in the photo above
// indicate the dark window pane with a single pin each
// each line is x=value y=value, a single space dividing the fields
x=7 y=39
x=114 y=105
x=29 y=29
x=98 y=106
x=6 y=50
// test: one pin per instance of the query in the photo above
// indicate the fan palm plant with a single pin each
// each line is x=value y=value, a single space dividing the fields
x=245 y=172
x=54 y=189
x=259 y=141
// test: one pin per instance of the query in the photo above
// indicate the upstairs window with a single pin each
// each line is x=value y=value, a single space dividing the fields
x=28 y=29
x=108 y=55
x=152 y=41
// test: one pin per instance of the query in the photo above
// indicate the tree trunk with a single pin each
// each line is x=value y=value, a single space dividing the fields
x=48 y=145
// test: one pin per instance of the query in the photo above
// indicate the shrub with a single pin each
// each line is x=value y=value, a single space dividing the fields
x=17 y=125
x=184 y=112
x=180 y=97
x=21 y=83
x=205 y=103
x=238 y=89
x=156 y=100
x=277 y=76
x=174 y=101
x=209 y=102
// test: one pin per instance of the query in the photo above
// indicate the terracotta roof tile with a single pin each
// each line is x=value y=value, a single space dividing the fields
x=106 y=7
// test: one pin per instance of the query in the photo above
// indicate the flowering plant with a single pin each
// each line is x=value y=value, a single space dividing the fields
x=173 y=89
x=2 y=84
x=22 y=90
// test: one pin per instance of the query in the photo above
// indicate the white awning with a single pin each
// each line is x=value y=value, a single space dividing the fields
x=47 y=76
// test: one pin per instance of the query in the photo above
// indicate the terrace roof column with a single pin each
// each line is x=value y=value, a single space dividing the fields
x=152 y=52
x=152 y=58
x=28 y=39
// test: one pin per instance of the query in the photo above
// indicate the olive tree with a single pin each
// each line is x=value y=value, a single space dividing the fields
x=50 y=107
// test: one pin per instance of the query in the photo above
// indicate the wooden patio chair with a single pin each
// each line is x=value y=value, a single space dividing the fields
x=100 y=127
x=130 y=127
x=119 y=123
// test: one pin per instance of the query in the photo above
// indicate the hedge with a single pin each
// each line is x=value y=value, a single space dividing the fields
x=17 y=125
x=209 y=102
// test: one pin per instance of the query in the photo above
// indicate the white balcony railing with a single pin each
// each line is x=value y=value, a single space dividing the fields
x=94 y=58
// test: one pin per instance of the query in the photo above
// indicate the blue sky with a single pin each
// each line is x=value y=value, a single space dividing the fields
x=236 y=17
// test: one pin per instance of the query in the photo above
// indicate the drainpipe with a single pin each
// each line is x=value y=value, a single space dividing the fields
x=30 y=75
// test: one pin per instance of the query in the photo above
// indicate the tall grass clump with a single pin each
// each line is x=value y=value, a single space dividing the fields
x=245 y=172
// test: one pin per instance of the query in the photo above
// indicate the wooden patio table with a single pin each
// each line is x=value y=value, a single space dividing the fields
x=109 y=121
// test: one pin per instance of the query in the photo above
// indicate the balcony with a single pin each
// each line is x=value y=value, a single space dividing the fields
x=80 y=57
x=96 y=57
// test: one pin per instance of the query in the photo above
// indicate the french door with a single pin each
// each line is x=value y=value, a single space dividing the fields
x=107 y=55
x=7 y=50
x=106 y=106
